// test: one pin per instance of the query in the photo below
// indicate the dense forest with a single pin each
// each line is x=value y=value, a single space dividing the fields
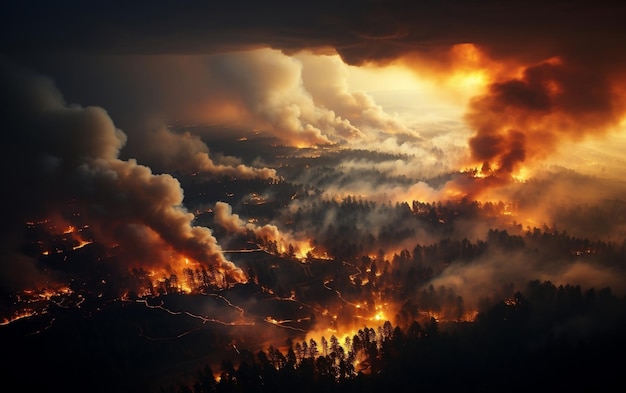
x=390 y=274
x=546 y=338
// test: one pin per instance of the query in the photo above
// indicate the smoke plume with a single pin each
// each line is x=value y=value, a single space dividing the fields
x=65 y=160
x=232 y=223
x=524 y=119
x=188 y=154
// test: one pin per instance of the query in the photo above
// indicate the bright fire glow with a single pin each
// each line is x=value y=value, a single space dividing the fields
x=469 y=82
x=17 y=317
x=522 y=174
x=82 y=243
x=390 y=78
x=423 y=90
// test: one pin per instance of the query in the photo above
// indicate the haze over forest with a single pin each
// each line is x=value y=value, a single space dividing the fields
x=355 y=195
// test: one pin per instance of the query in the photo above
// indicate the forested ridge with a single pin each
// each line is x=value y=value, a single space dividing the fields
x=543 y=338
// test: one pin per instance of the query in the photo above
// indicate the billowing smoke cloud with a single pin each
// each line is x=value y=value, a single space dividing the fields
x=325 y=78
x=186 y=153
x=524 y=118
x=232 y=223
x=258 y=89
x=63 y=160
x=270 y=86
x=303 y=100
x=224 y=216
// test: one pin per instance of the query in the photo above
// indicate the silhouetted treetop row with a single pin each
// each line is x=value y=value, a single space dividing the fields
x=522 y=342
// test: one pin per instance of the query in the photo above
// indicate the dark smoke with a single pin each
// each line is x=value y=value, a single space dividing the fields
x=63 y=160
x=525 y=118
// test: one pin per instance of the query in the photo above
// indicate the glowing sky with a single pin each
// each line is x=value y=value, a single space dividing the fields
x=420 y=66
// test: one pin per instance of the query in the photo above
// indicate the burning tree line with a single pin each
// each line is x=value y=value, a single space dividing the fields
x=198 y=280
x=308 y=365
x=534 y=339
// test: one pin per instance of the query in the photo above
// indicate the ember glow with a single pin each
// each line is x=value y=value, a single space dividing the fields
x=195 y=185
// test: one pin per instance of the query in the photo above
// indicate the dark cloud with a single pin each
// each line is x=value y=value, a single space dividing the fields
x=526 y=117
x=359 y=30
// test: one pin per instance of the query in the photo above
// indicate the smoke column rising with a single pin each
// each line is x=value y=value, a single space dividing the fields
x=524 y=118
x=63 y=159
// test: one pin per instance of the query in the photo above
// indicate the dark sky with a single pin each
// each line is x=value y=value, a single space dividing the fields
x=359 y=30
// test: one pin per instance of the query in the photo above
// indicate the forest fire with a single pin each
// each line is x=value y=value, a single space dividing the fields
x=182 y=277
x=57 y=241
x=344 y=310
x=33 y=302
x=406 y=198
x=82 y=243
x=18 y=316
